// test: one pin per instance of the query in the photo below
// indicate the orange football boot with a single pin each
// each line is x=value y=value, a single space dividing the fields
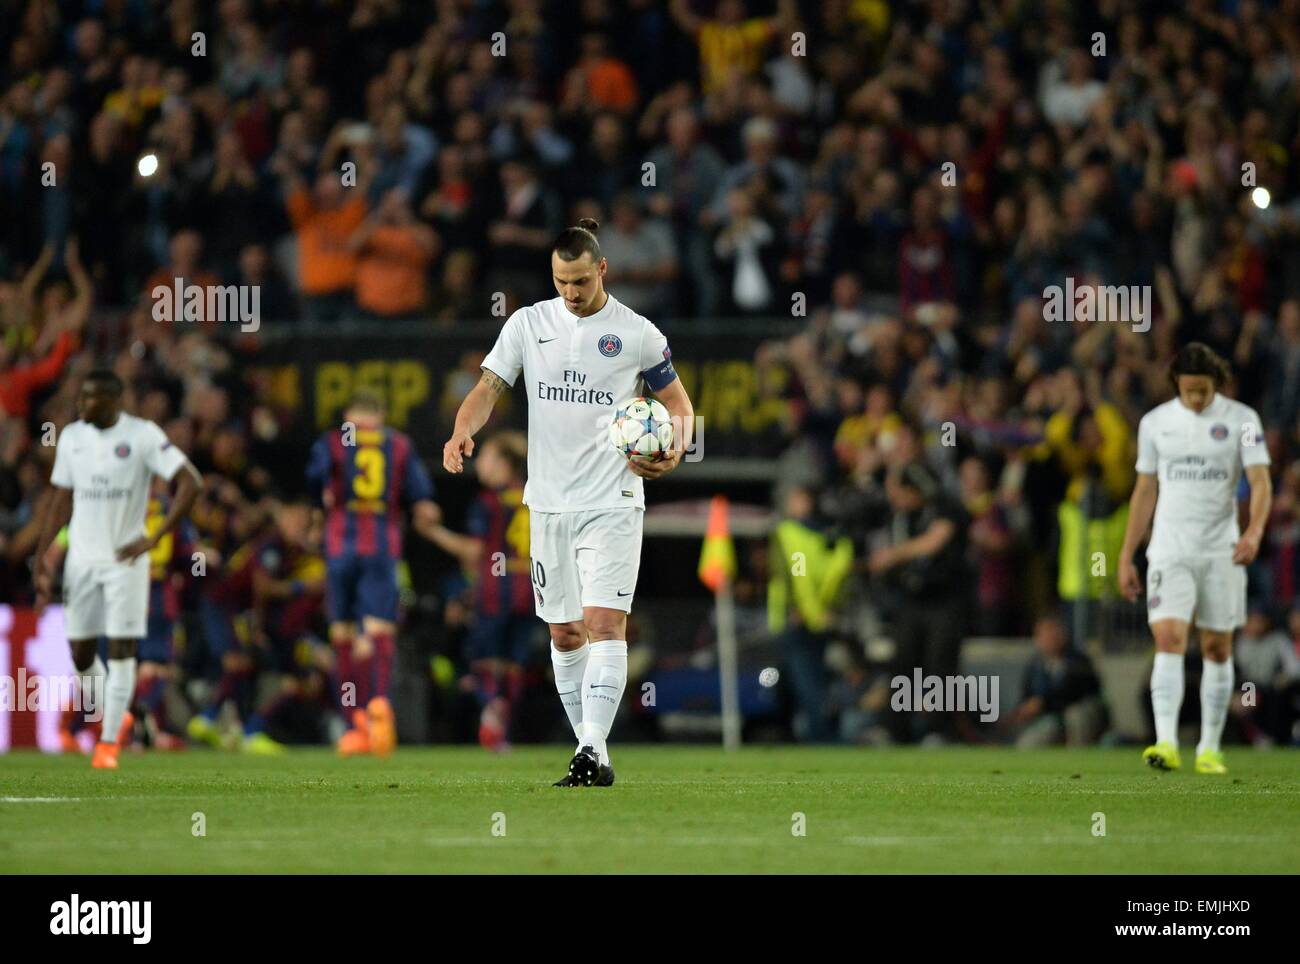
x=353 y=743
x=357 y=739
x=361 y=721
x=383 y=726
x=105 y=757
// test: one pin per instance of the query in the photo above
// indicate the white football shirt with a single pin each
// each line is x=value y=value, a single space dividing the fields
x=576 y=371
x=109 y=472
x=1198 y=461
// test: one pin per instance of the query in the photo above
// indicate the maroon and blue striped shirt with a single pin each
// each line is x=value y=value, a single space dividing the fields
x=369 y=485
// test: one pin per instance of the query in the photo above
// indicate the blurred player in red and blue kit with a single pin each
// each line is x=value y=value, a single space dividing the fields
x=495 y=553
x=365 y=475
x=168 y=570
x=253 y=614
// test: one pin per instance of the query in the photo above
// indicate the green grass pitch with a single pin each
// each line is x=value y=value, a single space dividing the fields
x=673 y=810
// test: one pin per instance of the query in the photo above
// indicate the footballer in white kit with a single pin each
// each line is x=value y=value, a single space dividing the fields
x=1192 y=452
x=581 y=354
x=103 y=467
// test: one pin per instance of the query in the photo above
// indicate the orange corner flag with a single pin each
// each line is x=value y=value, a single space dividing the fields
x=718 y=554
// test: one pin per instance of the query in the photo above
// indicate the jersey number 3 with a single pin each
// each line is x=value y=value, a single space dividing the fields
x=369 y=481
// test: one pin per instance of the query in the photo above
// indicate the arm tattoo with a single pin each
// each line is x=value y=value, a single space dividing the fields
x=495 y=383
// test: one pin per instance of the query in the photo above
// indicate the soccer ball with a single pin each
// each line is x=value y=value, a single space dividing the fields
x=642 y=426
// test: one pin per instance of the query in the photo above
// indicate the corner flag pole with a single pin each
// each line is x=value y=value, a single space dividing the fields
x=717 y=570
x=728 y=666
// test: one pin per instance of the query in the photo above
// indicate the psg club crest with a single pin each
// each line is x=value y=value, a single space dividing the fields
x=610 y=345
x=1154 y=602
x=1219 y=432
x=122 y=450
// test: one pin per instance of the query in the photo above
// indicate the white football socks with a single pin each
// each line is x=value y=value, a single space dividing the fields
x=602 y=689
x=1216 y=694
x=1167 y=695
x=117 y=696
x=570 y=665
x=90 y=683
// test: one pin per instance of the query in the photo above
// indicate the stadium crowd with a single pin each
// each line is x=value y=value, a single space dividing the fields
x=917 y=174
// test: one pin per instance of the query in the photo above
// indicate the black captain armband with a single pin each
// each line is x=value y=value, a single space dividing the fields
x=661 y=374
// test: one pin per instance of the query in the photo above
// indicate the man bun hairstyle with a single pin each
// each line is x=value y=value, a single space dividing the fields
x=575 y=241
x=1198 y=358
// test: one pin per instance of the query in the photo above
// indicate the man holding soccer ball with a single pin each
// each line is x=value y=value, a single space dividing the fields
x=582 y=354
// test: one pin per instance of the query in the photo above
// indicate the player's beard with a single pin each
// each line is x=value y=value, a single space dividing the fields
x=588 y=307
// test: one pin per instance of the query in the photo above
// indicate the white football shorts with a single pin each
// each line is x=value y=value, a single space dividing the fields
x=106 y=599
x=1212 y=590
x=585 y=558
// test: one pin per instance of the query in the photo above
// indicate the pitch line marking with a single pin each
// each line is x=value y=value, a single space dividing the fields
x=40 y=799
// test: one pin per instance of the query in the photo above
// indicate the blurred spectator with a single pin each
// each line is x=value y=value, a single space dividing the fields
x=236 y=202
x=1061 y=701
x=393 y=254
x=687 y=175
x=991 y=550
x=731 y=43
x=747 y=244
x=1090 y=443
x=858 y=434
x=454 y=202
x=457 y=297
x=607 y=165
x=404 y=151
x=816 y=244
x=252 y=66
x=598 y=81
x=324 y=220
x=807 y=573
x=925 y=271
x=62 y=320
x=102 y=206
x=860 y=697
x=1267 y=703
x=924 y=561
x=1282 y=393
x=184 y=269
x=762 y=169
x=276 y=298
x=523 y=232
x=1068 y=92
x=642 y=258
